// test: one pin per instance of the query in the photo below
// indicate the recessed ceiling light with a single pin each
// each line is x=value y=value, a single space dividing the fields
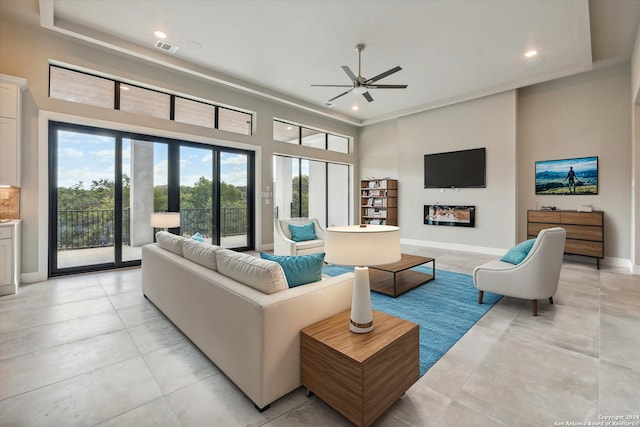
x=531 y=53
x=289 y=127
x=355 y=108
x=160 y=34
x=124 y=87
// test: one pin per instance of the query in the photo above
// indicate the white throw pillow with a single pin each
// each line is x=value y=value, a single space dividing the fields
x=260 y=274
x=170 y=242
x=201 y=253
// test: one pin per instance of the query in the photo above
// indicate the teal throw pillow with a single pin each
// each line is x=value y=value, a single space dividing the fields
x=301 y=233
x=299 y=270
x=198 y=237
x=519 y=252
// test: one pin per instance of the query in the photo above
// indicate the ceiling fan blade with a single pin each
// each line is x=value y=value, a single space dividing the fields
x=385 y=74
x=332 y=85
x=368 y=96
x=342 y=94
x=386 y=86
x=349 y=73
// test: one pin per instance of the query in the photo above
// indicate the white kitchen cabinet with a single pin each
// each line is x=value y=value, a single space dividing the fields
x=9 y=257
x=10 y=127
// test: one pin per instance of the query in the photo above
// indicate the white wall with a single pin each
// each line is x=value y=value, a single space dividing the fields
x=486 y=122
x=579 y=116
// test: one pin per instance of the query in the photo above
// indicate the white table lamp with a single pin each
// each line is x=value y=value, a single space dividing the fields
x=361 y=246
x=165 y=220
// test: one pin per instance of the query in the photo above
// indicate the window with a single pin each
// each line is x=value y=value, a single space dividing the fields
x=313 y=189
x=80 y=87
x=89 y=89
x=144 y=101
x=234 y=121
x=286 y=132
x=195 y=113
x=299 y=135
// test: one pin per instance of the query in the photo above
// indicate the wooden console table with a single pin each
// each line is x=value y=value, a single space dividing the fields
x=360 y=375
x=585 y=230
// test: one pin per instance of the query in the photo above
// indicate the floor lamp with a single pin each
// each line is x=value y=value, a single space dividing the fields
x=165 y=220
x=361 y=246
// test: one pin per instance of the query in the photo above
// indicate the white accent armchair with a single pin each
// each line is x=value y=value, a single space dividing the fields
x=536 y=277
x=284 y=245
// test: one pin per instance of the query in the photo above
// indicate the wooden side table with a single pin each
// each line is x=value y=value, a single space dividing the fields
x=360 y=375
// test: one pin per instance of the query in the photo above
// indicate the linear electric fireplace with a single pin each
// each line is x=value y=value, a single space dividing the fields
x=458 y=216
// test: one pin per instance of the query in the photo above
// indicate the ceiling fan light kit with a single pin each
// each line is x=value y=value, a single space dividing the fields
x=361 y=85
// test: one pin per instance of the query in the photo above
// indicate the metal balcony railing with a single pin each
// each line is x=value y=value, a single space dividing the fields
x=95 y=228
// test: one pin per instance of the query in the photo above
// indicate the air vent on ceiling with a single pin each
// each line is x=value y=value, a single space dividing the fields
x=166 y=46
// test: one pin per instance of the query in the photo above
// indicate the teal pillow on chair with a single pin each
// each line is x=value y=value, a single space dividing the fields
x=301 y=233
x=519 y=252
x=198 y=237
x=299 y=270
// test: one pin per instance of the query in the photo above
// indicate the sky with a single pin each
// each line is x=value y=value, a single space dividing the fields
x=580 y=164
x=86 y=158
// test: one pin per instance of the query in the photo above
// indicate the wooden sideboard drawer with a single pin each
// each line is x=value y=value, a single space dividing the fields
x=543 y=216
x=584 y=247
x=581 y=218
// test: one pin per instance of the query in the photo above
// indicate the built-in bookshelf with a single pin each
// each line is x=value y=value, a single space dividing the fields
x=379 y=201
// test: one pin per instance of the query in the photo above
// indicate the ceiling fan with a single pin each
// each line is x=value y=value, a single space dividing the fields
x=361 y=85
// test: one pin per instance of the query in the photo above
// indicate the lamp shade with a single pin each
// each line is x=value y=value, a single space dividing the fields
x=165 y=219
x=362 y=246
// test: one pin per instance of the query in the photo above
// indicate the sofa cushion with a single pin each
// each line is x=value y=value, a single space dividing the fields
x=519 y=252
x=170 y=242
x=201 y=253
x=299 y=270
x=260 y=274
x=302 y=233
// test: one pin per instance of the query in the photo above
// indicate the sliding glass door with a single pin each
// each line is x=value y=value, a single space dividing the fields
x=104 y=186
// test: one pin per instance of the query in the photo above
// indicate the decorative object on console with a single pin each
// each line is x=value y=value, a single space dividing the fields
x=165 y=220
x=577 y=176
x=460 y=216
x=361 y=246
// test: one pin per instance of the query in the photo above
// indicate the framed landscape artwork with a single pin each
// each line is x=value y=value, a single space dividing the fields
x=577 y=176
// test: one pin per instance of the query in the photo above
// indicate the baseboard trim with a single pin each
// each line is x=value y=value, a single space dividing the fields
x=33 y=277
x=454 y=246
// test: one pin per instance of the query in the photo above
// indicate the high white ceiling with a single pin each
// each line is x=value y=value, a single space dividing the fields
x=449 y=50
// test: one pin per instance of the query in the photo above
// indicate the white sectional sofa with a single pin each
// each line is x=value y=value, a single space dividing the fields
x=238 y=310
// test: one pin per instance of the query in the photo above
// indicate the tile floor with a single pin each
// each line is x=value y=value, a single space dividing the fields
x=90 y=350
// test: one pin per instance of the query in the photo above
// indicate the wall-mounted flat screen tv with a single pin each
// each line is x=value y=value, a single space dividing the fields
x=567 y=176
x=455 y=169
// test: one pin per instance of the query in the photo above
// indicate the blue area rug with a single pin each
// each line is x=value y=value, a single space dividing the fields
x=445 y=308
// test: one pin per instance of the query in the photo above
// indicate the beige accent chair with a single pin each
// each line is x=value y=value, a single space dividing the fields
x=536 y=277
x=284 y=245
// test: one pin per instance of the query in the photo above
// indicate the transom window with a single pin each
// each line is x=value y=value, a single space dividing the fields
x=85 y=88
x=300 y=135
